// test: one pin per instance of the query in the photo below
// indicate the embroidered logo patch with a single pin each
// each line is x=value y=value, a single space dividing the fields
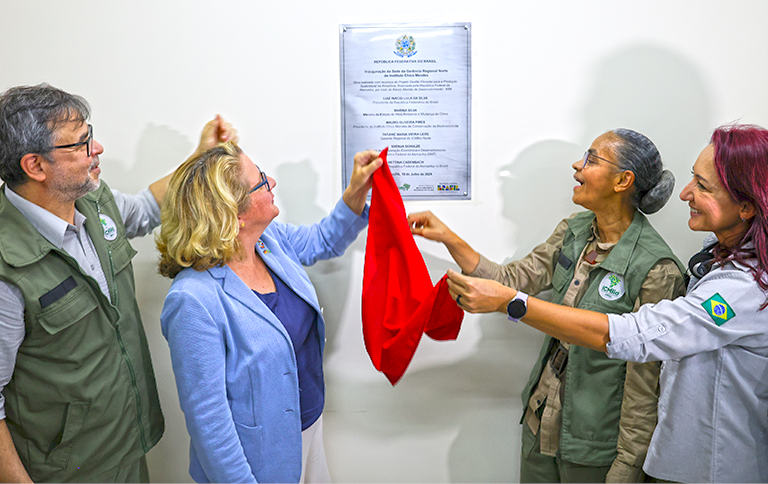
x=110 y=227
x=263 y=247
x=611 y=287
x=718 y=309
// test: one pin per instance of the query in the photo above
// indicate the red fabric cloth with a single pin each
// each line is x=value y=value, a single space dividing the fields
x=399 y=301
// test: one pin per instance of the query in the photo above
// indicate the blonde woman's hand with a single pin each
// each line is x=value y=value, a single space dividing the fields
x=365 y=163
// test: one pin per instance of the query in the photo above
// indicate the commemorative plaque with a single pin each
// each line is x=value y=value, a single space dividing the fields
x=408 y=87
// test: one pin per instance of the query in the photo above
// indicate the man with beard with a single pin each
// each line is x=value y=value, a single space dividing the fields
x=78 y=400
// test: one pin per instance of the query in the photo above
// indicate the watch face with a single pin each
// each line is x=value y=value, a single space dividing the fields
x=516 y=308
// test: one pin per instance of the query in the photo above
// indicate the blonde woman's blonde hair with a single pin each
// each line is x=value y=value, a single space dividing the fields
x=199 y=214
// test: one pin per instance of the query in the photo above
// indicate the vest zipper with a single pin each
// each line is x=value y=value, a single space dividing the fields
x=132 y=371
x=113 y=289
x=127 y=357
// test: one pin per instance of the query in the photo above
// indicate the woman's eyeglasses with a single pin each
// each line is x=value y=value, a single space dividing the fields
x=263 y=182
x=588 y=155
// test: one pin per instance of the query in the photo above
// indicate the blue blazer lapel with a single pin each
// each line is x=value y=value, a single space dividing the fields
x=293 y=276
x=235 y=288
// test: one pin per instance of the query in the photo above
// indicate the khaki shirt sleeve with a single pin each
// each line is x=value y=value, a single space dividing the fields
x=641 y=386
x=531 y=274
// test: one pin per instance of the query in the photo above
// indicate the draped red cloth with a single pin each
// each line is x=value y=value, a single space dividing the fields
x=399 y=301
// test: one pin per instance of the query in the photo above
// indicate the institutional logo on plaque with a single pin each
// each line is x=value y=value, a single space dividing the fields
x=447 y=187
x=404 y=187
x=405 y=46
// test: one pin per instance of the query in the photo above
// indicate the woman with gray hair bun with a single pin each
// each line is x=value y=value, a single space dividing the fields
x=653 y=184
x=588 y=418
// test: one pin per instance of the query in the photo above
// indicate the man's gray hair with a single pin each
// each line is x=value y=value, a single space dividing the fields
x=29 y=118
x=653 y=184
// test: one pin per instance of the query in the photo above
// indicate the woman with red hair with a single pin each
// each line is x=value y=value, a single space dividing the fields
x=713 y=408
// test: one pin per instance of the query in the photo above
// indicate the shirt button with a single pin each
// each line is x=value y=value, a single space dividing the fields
x=662 y=328
x=576 y=282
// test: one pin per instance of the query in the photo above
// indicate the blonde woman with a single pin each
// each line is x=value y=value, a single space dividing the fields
x=242 y=318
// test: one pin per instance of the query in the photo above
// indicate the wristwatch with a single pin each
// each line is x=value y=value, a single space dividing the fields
x=517 y=307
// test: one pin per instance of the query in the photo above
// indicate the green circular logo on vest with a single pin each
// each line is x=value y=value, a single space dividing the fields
x=611 y=287
x=109 y=226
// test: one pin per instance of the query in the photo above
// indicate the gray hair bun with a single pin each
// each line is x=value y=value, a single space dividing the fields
x=653 y=184
x=658 y=196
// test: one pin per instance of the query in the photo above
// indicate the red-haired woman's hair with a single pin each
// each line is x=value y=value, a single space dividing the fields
x=741 y=162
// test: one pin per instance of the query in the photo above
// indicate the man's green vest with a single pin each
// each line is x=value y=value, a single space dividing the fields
x=594 y=384
x=82 y=399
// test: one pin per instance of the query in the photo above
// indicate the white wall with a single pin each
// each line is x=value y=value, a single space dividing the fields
x=548 y=77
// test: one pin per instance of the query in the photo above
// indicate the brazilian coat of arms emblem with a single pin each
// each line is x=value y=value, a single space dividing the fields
x=405 y=46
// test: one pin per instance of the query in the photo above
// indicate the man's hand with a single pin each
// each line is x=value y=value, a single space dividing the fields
x=214 y=132
x=11 y=468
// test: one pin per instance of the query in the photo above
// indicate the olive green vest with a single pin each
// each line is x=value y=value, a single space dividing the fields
x=594 y=384
x=82 y=399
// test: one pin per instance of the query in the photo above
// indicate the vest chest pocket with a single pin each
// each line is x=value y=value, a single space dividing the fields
x=561 y=276
x=67 y=310
x=122 y=254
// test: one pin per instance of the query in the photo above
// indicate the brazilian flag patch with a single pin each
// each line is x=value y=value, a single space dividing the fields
x=718 y=309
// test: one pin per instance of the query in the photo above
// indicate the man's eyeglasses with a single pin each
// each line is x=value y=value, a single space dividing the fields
x=588 y=155
x=263 y=182
x=88 y=142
